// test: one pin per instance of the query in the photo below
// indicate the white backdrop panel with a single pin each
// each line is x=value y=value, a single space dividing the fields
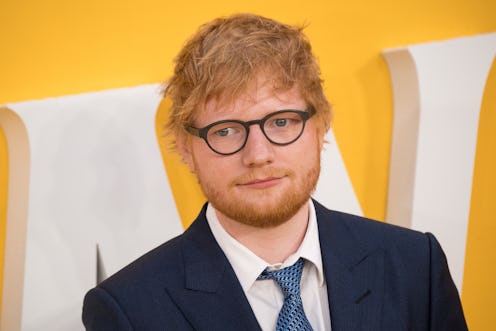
x=450 y=78
x=96 y=178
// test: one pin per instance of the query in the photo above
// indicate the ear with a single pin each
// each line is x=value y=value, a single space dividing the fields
x=183 y=144
x=322 y=141
x=321 y=137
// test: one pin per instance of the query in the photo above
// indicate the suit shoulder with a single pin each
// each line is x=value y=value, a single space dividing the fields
x=367 y=224
x=155 y=266
x=373 y=233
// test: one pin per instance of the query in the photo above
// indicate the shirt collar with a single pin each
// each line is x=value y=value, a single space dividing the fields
x=249 y=266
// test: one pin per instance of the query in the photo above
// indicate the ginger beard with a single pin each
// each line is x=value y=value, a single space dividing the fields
x=262 y=208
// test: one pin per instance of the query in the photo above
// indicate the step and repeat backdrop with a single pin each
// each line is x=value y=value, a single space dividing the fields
x=88 y=184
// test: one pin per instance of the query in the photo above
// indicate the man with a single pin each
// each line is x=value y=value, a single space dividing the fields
x=249 y=117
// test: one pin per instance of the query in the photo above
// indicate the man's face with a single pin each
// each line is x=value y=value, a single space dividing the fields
x=262 y=185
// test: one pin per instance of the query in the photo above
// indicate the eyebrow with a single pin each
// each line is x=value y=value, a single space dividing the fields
x=305 y=108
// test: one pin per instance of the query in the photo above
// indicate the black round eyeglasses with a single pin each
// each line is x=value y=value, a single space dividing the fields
x=227 y=137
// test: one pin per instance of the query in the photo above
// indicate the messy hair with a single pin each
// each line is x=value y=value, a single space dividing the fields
x=226 y=55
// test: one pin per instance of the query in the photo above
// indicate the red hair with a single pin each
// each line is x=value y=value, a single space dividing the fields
x=227 y=54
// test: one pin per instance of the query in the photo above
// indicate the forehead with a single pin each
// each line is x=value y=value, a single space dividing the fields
x=258 y=99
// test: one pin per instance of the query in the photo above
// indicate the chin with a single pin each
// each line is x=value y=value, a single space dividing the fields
x=269 y=213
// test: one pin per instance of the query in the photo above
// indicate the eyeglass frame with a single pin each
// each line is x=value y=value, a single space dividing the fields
x=305 y=115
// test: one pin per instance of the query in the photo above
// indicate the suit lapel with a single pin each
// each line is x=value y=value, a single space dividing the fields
x=354 y=275
x=212 y=298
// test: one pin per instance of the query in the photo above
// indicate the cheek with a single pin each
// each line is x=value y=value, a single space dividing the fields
x=214 y=170
x=309 y=149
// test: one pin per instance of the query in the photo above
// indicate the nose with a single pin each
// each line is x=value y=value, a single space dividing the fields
x=258 y=151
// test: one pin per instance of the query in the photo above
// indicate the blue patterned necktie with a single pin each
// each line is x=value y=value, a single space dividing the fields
x=291 y=317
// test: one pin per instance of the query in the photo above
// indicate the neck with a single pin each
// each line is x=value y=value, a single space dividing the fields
x=273 y=245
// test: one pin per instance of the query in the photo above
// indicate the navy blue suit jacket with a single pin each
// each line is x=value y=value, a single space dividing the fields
x=379 y=277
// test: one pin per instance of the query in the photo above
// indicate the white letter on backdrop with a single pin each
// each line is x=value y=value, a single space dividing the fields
x=96 y=177
x=438 y=89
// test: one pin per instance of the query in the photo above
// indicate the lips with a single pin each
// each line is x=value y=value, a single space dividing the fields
x=261 y=178
x=262 y=182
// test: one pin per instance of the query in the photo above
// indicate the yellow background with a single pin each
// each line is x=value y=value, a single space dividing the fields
x=56 y=47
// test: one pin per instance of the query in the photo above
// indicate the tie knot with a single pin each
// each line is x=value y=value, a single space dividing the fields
x=288 y=278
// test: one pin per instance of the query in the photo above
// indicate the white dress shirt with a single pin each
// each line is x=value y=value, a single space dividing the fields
x=265 y=297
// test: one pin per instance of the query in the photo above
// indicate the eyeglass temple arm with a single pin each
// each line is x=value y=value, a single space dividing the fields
x=193 y=131
x=311 y=111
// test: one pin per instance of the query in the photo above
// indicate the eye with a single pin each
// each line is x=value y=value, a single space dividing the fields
x=284 y=121
x=225 y=132
x=281 y=122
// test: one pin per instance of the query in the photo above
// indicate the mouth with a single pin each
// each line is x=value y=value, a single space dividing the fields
x=261 y=183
